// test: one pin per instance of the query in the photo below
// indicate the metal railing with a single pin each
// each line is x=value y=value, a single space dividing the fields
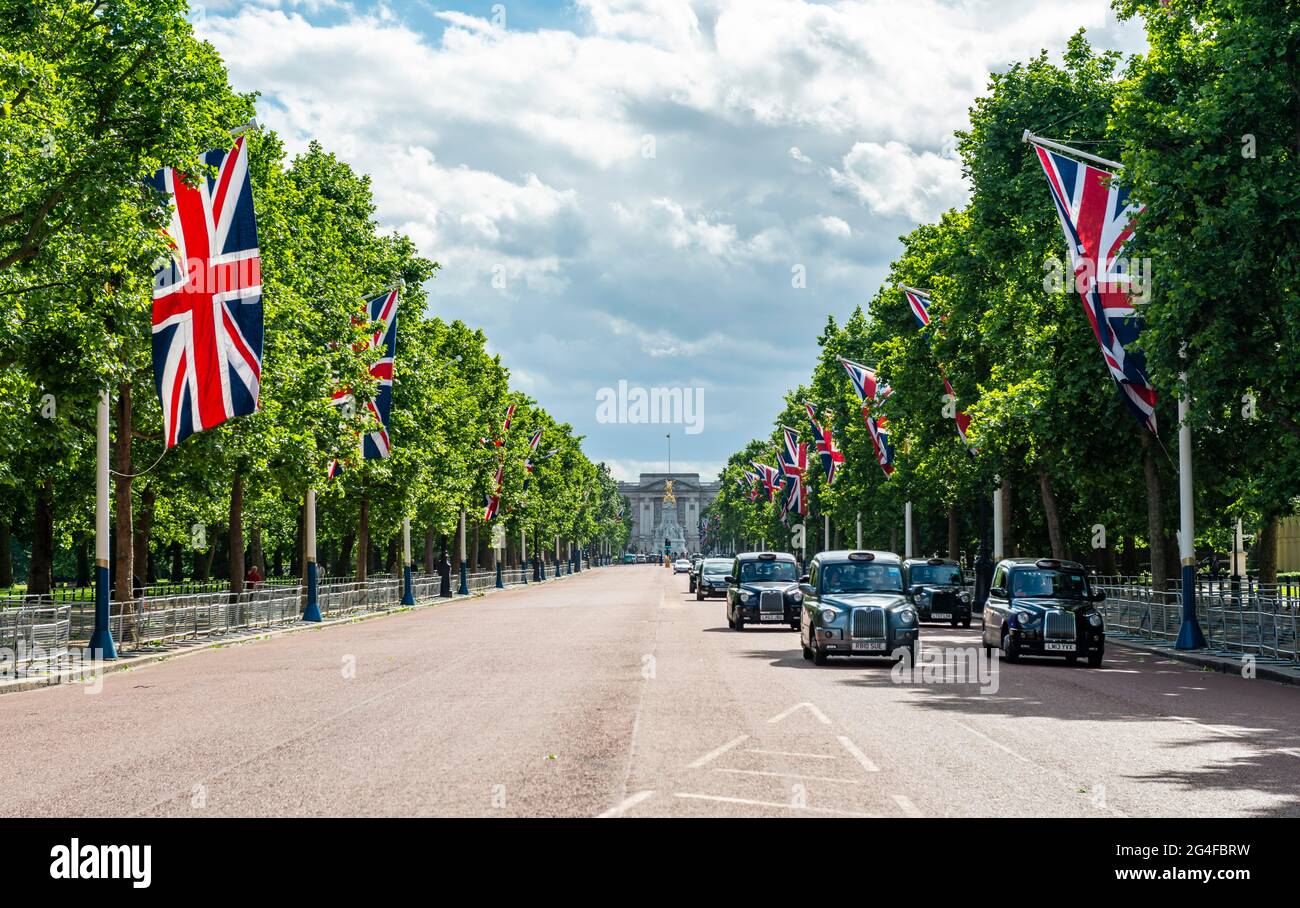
x=1242 y=617
x=37 y=632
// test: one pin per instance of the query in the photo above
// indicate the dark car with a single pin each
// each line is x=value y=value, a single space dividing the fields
x=937 y=589
x=694 y=574
x=1044 y=607
x=854 y=605
x=763 y=588
x=712 y=579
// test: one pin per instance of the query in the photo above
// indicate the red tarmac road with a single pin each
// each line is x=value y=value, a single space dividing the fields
x=616 y=693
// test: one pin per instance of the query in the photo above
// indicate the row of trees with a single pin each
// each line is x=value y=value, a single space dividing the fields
x=1205 y=124
x=94 y=97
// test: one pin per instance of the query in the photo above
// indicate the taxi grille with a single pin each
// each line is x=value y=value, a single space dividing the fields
x=771 y=601
x=943 y=601
x=1060 y=625
x=868 y=622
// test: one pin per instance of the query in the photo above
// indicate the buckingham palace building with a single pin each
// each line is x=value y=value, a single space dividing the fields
x=667 y=506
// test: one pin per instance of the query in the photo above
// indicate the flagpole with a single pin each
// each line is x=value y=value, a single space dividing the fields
x=1032 y=139
x=464 y=567
x=312 y=611
x=408 y=582
x=523 y=554
x=998 y=529
x=101 y=640
x=907 y=530
x=1190 y=635
x=859 y=529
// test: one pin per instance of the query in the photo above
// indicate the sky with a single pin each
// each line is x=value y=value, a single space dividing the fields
x=638 y=194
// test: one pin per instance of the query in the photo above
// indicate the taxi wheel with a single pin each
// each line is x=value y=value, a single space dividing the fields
x=731 y=622
x=1071 y=660
x=699 y=594
x=807 y=653
x=965 y=622
x=740 y=622
x=955 y=622
x=1010 y=650
x=819 y=654
x=1094 y=660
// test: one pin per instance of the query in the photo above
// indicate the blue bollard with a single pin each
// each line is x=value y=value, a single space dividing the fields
x=312 y=611
x=408 y=586
x=464 y=579
x=1190 y=635
x=101 y=640
x=500 y=583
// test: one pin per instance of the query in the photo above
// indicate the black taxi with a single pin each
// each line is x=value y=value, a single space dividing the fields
x=937 y=589
x=1044 y=607
x=854 y=605
x=763 y=588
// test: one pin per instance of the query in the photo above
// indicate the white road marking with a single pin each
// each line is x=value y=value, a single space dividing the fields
x=907 y=806
x=857 y=754
x=717 y=752
x=821 y=716
x=1001 y=747
x=1226 y=733
x=776 y=804
x=625 y=805
x=787 y=753
x=787 y=775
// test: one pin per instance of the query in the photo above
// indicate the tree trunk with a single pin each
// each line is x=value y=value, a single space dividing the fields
x=1128 y=564
x=124 y=539
x=393 y=567
x=143 y=529
x=6 y=556
x=236 y=535
x=1051 y=513
x=1155 y=519
x=363 y=540
x=343 y=557
x=954 y=533
x=178 y=563
x=427 y=564
x=40 y=570
x=474 y=552
x=203 y=560
x=256 y=555
x=1266 y=552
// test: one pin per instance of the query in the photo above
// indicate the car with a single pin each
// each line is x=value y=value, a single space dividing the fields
x=1044 y=607
x=694 y=575
x=854 y=605
x=937 y=589
x=712 y=580
x=640 y=559
x=629 y=558
x=763 y=588
x=681 y=566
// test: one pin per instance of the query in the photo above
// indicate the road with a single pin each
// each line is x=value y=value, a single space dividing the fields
x=615 y=693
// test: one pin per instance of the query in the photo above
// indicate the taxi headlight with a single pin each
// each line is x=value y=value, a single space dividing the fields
x=907 y=616
x=1095 y=619
x=796 y=597
x=1024 y=619
x=965 y=597
x=828 y=615
x=744 y=596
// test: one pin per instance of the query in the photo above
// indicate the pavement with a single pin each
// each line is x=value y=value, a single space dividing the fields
x=616 y=694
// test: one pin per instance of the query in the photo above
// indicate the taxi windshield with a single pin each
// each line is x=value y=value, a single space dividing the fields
x=1048 y=584
x=862 y=578
x=759 y=571
x=936 y=574
x=719 y=566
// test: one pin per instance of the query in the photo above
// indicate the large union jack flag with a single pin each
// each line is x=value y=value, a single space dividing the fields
x=207 y=298
x=770 y=477
x=872 y=393
x=794 y=463
x=1097 y=219
x=824 y=442
x=919 y=301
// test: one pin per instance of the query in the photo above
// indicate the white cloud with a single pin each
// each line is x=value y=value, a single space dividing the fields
x=892 y=179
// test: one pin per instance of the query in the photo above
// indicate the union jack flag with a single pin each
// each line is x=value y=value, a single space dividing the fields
x=770 y=477
x=919 y=301
x=1097 y=219
x=794 y=462
x=493 y=501
x=872 y=393
x=533 y=441
x=207 y=299
x=381 y=310
x=824 y=442
x=505 y=427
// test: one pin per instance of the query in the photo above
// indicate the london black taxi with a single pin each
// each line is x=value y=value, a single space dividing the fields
x=1044 y=607
x=937 y=589
x=854 y=605
x=763 y=588
x=712 y=579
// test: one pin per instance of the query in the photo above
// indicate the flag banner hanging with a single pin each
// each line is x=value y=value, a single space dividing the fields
x=771 y=479
x=823 y=441
x=872 y=393
x=1097 y=219
x=753 y=479
x=207 y=298
x=381 y=310
x=919 y=301
x=794 y=463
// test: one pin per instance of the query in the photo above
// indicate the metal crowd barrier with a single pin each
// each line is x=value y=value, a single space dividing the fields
x=1242 y=617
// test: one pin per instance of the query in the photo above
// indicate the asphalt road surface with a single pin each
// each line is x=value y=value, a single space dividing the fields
x=615 y=693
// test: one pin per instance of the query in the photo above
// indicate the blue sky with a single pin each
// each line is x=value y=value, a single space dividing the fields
x=618 y=190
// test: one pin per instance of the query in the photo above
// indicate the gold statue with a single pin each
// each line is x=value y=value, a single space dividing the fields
x=669 y=497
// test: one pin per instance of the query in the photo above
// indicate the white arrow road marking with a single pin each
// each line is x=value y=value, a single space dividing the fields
x=907 y=806
x=787 y=753
x=858 y=755
x=625 y=805
x=821 y=716
x=717 y=752
x=776 y=804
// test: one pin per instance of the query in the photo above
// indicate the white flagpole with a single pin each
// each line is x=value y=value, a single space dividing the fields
x=859 y=529
x=312 y=611
x=1190 y=635
x=907 y=530
x=997 y=522
x=101 y=639
x=408 y=582
x=1032 y=139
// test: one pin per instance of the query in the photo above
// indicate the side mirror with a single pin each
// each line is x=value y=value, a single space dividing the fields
x=807 y=589
x=998 y=592
x=730 y=579
x=805 y=578
x=1098 y=596
x=916 y=590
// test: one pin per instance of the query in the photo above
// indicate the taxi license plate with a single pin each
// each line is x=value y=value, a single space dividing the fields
x=1059 y=647
x=773 y=616
x=869 y=646
x=941 y=616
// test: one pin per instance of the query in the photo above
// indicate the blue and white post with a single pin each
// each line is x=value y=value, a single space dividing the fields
x=523 y=555
x=1189 y=635
x=101 y=640
x=464 y=567
x=312 y=610
x=408 y=583
x=907 y=530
